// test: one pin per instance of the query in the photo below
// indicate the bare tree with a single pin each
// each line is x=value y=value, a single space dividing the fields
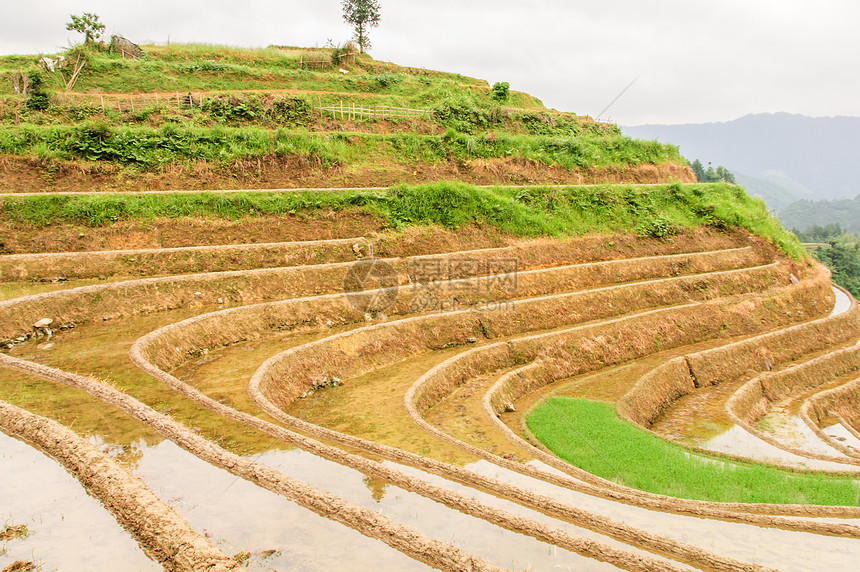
x=362 y=14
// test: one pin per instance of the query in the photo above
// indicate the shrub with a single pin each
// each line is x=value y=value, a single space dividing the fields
x=38 y=99
x=291 y=109
x=501 y=91
x=232 y=107
x=387 y=79
x=81 y=112
x=657 y=226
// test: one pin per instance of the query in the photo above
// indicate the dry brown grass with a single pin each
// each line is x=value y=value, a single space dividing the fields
x=172 y=261
x=660 y=388
x=585 y=348
x=357 y=352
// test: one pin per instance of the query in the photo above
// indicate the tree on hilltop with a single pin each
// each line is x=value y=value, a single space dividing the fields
x=362 y=14
x=87 y=24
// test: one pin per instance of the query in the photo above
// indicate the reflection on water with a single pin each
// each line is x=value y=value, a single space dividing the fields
x=70 y=530
x=478 y=537
x=781 y=549
x=842 y=303
x=738 y=441
x=241 y=517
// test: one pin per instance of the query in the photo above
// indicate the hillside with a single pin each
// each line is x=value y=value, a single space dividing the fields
x=527 y=374
x=800 y=157
x=201 y=116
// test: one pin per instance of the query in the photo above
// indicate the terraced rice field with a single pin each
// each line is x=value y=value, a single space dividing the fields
x=333 y=410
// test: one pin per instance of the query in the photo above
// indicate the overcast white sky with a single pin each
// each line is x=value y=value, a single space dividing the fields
x=695 y=60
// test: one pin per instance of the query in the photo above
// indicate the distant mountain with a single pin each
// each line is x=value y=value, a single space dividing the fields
x=782 y=157
x=774 y=188
x=803 y=214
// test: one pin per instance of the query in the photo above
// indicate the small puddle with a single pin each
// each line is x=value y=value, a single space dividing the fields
x=842 y=434
x=239 y=516
x=10 y=290
x=371 y=406
x=809 y=441
x=101 y=350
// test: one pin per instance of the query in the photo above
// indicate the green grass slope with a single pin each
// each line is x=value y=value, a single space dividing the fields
x=650 y=211
x=188 y=108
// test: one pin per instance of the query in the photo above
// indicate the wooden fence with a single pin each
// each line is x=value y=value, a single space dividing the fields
x=185 y=100
x=353 y=111
x=132 y=102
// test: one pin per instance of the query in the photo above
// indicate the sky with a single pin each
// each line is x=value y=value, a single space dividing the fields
x=681 y=61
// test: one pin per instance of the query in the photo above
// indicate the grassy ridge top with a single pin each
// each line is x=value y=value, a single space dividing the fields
x=260 y=115
x=206 y=68
x=657 y=211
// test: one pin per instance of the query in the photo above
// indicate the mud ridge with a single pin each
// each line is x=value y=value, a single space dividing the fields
x=228 y=326
x=365 y=349
x=398 y=455
x=754 y=399
x=163 y=534
x=178 y=260
x=369 y=523
x=833 y=403
x=630 y=535
x=726 y=511
x=148 y=295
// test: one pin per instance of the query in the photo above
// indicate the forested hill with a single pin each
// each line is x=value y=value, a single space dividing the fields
x=790 y=156
x=804 y=214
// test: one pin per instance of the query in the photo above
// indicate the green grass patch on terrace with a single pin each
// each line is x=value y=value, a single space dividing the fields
x=200 y=67
x=457 y=101
x=655 y=211
x=590 y=435
x=149 y=148
x=279 y=108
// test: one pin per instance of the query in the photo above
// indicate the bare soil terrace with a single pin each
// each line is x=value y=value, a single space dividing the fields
x=192 y=359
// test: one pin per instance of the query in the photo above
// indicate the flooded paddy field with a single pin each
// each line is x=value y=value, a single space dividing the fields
x=495 y=511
